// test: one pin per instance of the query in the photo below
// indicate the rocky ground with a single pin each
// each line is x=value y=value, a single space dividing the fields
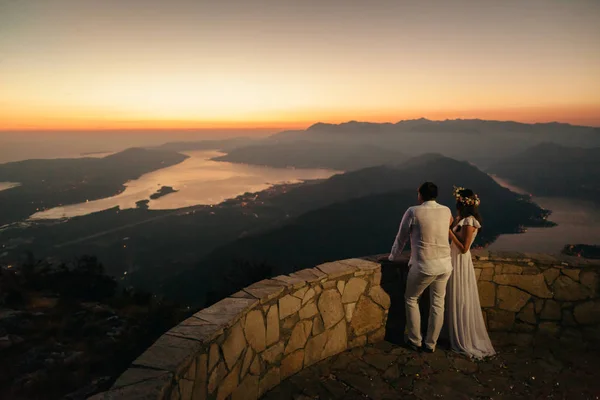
x=549 y=369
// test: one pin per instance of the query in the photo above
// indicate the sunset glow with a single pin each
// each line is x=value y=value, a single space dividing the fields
x=79 y=64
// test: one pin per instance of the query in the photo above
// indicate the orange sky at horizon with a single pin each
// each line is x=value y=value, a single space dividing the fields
x=193 y=64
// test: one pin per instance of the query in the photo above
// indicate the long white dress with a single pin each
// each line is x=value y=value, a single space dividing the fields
x=466 y=327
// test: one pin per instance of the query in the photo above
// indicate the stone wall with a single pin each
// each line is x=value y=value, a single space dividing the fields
x=244 y=345
x=555 y=296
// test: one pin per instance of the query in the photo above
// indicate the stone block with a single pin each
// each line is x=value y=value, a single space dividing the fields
x=512 y=269
x=229 y=383
x=550 y=275
x=308 y=311
x=367 y=317
x=292 y=363
x=500 y=320
x=247 y=390
x=314 y=349
x=487 y=293
x=256 y=367
x=353 y=290
x=528 y=314
x=201 y=378
x=477 y=273
x=337 y=340
x=233 y=346
x=309 y=295
x=359 y=341
x=330 y=307
x=216 y=377
x=227 y=311
x=248 y=357
x=169 y=353
x=310 y=275
x=336 y=269
x=532 y=284
x=567 y=318
x=214 y=356
x=340 y=286
x=511 y=299
x=530 y=270
x=349 y=310
x=290 y=321
x=300 y=292
x=487 y=274
x=288 y=305
x=293 y=282
x=269 y=381
x=376 y=279
x=549 y=329
x=566 y=289
x=266 y=289
x=589 y=279
x=362 y=264
x=299 y=336
x=273 y=354
x=329 y=284
x=379 y=296
x=587 y=313
x=377 y=336
x=255 y=330
x=551 y=311
x=134 y=375
x=273 y=325
x=186 y=389
x=572 y=273
x=318 y=326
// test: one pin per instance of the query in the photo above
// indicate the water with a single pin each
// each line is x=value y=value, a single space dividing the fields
x=198 y=181
x=578 y=223
x=8 y=185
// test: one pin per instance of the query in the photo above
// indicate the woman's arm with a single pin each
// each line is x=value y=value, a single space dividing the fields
x=467 y=237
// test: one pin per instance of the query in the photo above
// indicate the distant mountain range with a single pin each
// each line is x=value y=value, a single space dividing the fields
x=550 y=169
x=478 y=141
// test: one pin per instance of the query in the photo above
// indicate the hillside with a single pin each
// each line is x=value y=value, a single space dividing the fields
x=348 y=215
x=553 y=170
x=307 y=154
x=51 y=183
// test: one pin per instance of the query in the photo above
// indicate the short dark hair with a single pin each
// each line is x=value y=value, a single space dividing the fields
x=428 y=191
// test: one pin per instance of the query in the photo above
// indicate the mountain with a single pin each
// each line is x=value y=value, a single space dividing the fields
x=549 y=169
x=308 y=154
x=349 y=215
x=54 y=182
x=479 y=141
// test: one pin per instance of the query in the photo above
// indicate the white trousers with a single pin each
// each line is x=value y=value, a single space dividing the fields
x=416 y=284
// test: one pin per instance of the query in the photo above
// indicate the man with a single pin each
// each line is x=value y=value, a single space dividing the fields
x=426 y=225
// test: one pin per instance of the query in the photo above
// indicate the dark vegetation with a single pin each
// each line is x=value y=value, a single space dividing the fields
x=582 y=250
x=52 y=183
x=67 y=328
x=553 y=170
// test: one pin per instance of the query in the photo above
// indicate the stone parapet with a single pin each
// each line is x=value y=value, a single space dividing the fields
x=555 y=296
x=244 y=345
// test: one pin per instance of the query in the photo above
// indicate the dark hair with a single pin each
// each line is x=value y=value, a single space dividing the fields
x=466 y=210
x=428 y=191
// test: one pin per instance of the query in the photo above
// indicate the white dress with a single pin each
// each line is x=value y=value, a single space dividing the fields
x=466 y=328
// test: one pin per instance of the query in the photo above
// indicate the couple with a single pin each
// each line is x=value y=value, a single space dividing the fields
x=436 y=264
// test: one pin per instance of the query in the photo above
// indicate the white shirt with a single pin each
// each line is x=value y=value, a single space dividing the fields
x=427 y=226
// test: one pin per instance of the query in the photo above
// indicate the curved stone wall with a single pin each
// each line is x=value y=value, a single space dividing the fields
x=244 y=345
x=537 y=293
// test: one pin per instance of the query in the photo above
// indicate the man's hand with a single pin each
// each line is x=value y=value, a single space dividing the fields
x=383 y=258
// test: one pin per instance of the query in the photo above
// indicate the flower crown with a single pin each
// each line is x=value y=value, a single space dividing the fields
x=469 y=201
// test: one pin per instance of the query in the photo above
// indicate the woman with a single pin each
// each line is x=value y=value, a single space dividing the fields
x=468 y=334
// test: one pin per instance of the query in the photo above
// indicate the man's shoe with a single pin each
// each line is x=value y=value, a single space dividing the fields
x=413 y=347
x=427 y=349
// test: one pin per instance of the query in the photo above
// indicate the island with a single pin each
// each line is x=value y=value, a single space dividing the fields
x=163 y=191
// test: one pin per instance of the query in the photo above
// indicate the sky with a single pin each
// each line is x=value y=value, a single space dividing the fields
x=155 y=64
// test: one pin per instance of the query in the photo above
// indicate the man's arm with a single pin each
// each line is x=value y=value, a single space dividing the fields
x=403 y=235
